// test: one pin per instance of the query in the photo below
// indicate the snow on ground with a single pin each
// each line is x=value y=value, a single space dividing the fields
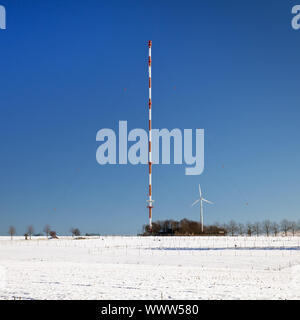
x=150 y=268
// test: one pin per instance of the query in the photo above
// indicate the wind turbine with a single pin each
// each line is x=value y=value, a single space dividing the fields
x=201 y=199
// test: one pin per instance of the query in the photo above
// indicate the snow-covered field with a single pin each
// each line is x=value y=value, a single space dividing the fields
x=150 y=268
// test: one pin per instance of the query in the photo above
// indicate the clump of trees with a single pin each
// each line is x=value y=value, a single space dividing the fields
x=182 y=227
x=232 y=228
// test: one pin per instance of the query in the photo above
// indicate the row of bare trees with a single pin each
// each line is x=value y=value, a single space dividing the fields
x=265 y=227
x=30 y=231
x=47 y=230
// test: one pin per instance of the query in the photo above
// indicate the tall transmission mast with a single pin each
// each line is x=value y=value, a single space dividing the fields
x=150 y=201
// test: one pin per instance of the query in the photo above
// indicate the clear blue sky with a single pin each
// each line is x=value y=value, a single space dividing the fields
x=70 y=68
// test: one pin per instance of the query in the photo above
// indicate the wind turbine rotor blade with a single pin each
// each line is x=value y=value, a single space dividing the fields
x=207 y=201
x=195 y=202
x=200 y=192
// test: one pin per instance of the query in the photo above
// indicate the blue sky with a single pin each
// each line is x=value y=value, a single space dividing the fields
x=71 y=68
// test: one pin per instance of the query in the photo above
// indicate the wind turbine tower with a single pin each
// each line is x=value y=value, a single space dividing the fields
x=201 y=200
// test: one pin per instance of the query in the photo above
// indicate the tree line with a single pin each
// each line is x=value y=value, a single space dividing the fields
x=47 y=231
x=232 y=228
x=265 y=227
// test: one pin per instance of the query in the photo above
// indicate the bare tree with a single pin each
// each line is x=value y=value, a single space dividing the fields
x=285 y=226
x=249 y=227
x=294 y=227
x=12 y=231
x=75 y=232
x=266 y=225
x=232 y=226
x=275 y=228
x=217 y=224
x=47 y=229
x=241 y=229
x=165 y=226
x=30 y=230
x=256 y=228
x=174 y=226
x=225 y=227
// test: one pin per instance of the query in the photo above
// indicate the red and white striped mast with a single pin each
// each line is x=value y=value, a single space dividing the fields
x=150 y=201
